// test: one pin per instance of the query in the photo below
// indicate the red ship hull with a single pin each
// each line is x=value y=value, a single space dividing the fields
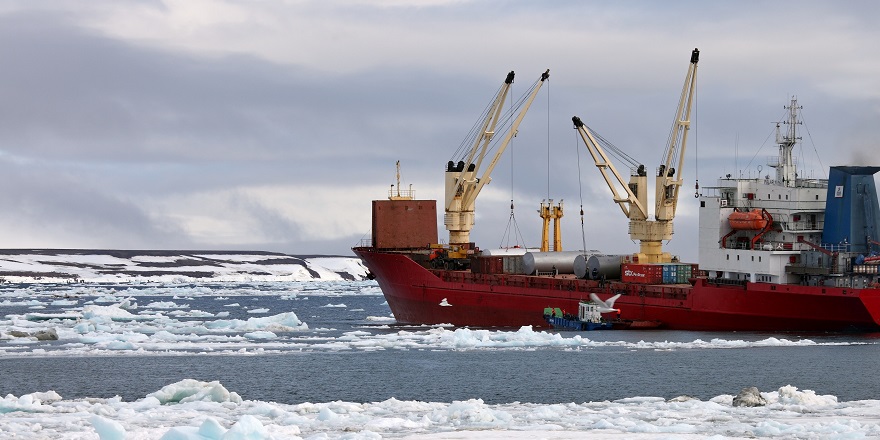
x=419 y=295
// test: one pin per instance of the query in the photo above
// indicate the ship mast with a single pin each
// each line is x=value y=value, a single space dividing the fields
x=400 y=194
x=786 y=170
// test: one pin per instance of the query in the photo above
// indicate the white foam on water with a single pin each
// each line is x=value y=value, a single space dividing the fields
x=114 y=323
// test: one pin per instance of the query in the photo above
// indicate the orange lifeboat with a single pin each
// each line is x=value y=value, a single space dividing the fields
x=750 y=220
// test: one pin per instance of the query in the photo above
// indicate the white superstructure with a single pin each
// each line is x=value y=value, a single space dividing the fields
x=776 y=219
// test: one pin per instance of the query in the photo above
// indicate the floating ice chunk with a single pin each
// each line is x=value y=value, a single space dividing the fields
x=84 y=327
x=128 y=304
x=394 y=424
x=341 y=306
x=114 y=312
x=107 y=429
x=248 y=427
x=32 y=302
x=473 y=413
x=380 y=318
x=283 y=322
x=327 y=414
x=262 y=334
x=118 y=345
x=32 y=402
x=191 y=390
x=789 y=395
x=46 y=397
x=192 y=313
x=262 y=310
x=209 y=430
x=166 y=305
x=48 y=316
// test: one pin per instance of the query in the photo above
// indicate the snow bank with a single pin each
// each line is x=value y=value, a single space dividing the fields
x=98 y=266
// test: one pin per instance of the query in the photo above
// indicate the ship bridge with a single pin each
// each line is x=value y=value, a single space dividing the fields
x=791 y=230
x=807 y=233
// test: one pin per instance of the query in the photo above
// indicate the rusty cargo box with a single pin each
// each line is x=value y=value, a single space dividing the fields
x=487 y=265
x=404 y=224
x=506 y=264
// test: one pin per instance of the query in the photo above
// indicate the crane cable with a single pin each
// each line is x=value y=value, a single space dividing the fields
x=512 y=230
x=580 y=191
x=696 y=142
x=548 y=142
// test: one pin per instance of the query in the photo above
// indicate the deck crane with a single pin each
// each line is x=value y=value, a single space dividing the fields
x=462 y=184
x=633 y=202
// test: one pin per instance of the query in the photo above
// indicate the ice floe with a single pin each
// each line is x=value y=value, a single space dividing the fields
x=192 y=409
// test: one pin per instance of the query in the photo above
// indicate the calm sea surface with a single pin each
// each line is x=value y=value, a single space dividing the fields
x=544 y=374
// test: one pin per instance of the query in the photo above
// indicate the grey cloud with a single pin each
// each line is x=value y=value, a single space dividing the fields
x=121 y=120
x=38 y=199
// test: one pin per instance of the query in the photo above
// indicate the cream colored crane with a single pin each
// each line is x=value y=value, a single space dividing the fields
x=462 y=184
x=633 y=200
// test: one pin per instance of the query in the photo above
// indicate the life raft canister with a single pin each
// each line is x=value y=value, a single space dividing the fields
x=750 y=220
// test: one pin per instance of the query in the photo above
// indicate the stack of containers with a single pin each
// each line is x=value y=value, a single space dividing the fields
x=676 y=273
x=661 y=273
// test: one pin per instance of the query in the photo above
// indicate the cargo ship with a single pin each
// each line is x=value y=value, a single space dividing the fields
x=779 y=252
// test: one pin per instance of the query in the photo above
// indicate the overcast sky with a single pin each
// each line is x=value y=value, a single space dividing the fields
x=271 y=125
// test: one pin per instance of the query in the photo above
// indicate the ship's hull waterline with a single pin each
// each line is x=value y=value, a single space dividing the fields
x=418 y=295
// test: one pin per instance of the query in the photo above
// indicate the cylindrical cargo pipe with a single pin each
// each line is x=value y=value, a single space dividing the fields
x=505 y=252
x=546 y=261
x=604 y=266
x=580 y=263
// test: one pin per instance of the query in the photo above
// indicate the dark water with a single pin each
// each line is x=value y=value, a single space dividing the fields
x=540 y=375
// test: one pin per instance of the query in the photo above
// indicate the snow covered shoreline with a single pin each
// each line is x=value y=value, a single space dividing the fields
x=134 y=266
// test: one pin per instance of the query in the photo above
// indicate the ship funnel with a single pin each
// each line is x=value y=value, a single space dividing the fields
x=852 y=215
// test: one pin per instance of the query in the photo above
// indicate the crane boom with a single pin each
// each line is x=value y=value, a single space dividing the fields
x=650 y=232
x=667 y=184
x=629 y=203
x=487 y=131
x=462 y=184
x=486 y=177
